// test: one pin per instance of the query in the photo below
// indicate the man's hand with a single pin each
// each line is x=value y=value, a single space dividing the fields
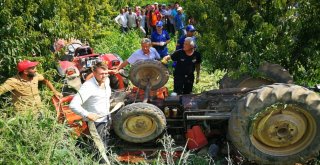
x=57 y=94
x=93 y=116
x=165 y=59
x=162 y=43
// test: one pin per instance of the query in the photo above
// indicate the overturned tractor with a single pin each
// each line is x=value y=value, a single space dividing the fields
x=271 y=124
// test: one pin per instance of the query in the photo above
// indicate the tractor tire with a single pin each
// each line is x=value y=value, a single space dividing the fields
x=270 y=73
x=149 y=70
x=277 y=124
x=139 y=122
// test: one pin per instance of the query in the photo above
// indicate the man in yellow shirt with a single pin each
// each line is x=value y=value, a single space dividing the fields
x=24 y=87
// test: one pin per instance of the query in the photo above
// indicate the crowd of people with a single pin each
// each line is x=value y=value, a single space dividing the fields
x=158 y=22
x=145 y=18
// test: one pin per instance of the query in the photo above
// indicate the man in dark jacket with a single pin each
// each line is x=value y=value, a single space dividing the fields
x=188 y=60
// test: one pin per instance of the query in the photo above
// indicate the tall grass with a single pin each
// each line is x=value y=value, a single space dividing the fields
x=31 y=140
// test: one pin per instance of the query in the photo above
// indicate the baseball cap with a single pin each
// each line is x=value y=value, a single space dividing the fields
x=159 y=23
x=25 y=64
x=179 y=8
x=156 y=3
x=190 y=28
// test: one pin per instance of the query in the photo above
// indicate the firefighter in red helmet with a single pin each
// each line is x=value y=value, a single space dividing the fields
x=24 y=88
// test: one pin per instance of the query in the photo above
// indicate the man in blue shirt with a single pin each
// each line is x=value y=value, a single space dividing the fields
x=160 y=38
x=180 y=20
x=190 y=33
x=146 y=52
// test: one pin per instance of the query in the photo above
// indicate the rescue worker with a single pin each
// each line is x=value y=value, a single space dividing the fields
x=188 y=61
x=190 y=33
x=24 y=88
x=160 y=38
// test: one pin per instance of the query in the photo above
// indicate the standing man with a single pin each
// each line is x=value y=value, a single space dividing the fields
x=92 y=102
x=24 y=88
x=160 y=38
x=190 y=33
x=180 y=20
x=146 y=52
x=142 y=22
x=188 y=61
x=122 y=20
x=132 y=19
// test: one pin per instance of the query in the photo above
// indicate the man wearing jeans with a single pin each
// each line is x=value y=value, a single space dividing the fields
x=92 y=102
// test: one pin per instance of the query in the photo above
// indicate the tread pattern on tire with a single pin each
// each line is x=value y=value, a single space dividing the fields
x=272 y=72
x=139 y=109
x=257 y=100
x=163 y=71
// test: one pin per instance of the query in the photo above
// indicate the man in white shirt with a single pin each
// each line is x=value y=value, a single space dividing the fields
x=132 y=19
x=92 y=102
x=122 y=20
x=146 y=52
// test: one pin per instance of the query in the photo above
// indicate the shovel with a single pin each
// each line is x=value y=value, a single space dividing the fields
x=115 y=108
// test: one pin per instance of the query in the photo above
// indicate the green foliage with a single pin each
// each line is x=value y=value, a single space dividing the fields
x=115 y=42
x=30 y=140
x=28 y=28
x=243 y=34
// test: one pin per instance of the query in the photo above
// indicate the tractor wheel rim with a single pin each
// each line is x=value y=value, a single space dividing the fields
x=148 y=74
x=139 y=126
x=283 y=130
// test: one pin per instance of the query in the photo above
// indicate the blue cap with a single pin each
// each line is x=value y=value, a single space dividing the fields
x=159 y=23
x=190 y=28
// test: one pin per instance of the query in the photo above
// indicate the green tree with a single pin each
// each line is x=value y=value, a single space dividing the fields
x=242 y=34
x=28 y=28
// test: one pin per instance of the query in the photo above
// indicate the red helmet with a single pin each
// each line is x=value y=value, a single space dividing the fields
x=25 y=64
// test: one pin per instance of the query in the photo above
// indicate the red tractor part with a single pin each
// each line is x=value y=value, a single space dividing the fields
x=140 y=156
x=196 y=138
x=111 y=60
x=64 y=113
x=137 y=93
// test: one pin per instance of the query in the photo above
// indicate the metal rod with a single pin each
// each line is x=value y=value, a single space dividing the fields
x=147 y=92
x=210 y=116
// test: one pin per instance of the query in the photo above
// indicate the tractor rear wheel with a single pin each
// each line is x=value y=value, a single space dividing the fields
x=139 y=122
x=277 y=124
x=270 y=73
x=151 y=71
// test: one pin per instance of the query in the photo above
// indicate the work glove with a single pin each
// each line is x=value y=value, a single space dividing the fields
x=162 y=43
x=164 y=61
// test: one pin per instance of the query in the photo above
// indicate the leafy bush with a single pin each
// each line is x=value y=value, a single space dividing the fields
x=242 y=34
x=28 y=28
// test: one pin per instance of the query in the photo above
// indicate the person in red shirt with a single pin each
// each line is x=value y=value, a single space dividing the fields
x=154 y=17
